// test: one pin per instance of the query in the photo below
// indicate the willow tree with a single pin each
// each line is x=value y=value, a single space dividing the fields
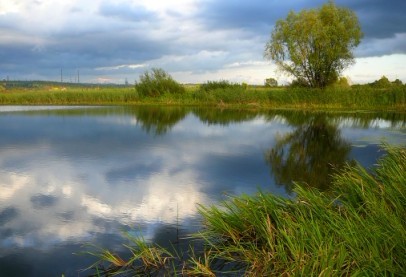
x=315 y=45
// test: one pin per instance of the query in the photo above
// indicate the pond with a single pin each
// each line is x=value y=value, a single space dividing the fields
x=76 y=175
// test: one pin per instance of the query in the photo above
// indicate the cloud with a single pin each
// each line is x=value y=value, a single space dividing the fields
x=379 y=19
x=126 y=12
x=382 y=46
x=38 y=38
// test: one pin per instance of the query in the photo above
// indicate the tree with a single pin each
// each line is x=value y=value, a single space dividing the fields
x=315 y=45
x=271 y=82
x=382 y=83
x=397 y=82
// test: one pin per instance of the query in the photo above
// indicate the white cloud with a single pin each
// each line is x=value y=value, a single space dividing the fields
x=369 y=69
x=117 y=67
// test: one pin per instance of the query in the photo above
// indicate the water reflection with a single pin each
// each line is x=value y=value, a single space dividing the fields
x=224 y=116
x=84 y=174
x=158 y=120
x=310 y=154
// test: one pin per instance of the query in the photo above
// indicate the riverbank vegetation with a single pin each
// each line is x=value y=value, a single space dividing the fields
x=217 y=93
x=356 y=228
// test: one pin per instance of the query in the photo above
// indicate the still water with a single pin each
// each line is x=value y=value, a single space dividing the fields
x=76 y=175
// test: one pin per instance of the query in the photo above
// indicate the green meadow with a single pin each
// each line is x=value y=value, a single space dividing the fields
x=342 y=98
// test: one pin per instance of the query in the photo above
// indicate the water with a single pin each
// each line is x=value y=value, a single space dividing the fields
x=76 y=175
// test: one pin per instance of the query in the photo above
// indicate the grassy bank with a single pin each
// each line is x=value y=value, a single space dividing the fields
x=358 y=228
x=362 y=97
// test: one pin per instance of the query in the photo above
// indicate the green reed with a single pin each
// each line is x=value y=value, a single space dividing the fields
x=359 y=228
x=218 y=94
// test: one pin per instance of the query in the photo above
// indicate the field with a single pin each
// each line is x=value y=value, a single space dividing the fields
x=352 y=98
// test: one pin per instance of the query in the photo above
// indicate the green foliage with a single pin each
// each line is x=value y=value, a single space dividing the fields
x=216 y=85
x=382 y=83
x=271 y=82
x=333 y=97
x=157 y=82
x=397 y=82
x=342 y=82
x=299 y=83
x=315 y=45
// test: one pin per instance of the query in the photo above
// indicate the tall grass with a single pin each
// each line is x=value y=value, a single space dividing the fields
x=357 y=229
x=164 y=91
x=70 y=96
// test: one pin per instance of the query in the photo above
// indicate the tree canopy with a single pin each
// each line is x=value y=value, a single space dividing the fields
x=315 y=45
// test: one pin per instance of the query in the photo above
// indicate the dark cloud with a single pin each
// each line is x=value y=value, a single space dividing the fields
x=8 y=214
x=378 y=19
x=43 y=201
x=256 y=15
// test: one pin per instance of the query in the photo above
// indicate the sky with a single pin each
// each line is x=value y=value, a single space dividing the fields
x=106 y=41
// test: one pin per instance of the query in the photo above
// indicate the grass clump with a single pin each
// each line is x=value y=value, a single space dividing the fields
x=360 y=228
x=145 y=260
x=156 y=83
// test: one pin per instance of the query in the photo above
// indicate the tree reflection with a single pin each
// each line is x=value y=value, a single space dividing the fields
x=158 y=120
x=310 y=154
x=224 y=116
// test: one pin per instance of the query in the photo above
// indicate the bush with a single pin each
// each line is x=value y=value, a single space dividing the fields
x=215 y=85
x=156 y=83
x=382 y=83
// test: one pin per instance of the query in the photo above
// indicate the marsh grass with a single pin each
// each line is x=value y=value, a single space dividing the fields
x=165 y=92
x=145 y=260
x=358 y=228
x=70 y=96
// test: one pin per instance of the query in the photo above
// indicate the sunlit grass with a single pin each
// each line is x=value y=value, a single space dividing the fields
x=362 y=97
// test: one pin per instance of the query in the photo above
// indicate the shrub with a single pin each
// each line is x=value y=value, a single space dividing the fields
x=382 y=83
x=157 y=82
x=215 y=85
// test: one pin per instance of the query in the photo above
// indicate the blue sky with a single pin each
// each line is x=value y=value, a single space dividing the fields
x=194 y=40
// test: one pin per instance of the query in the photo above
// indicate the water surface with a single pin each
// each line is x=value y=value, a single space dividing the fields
x=76 y=175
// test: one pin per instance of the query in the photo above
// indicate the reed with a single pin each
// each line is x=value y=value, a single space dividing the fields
x=360 y=228
x=70 y=96
x=214 y=94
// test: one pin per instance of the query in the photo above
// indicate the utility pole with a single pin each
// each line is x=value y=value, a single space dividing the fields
x=78 y=77
x=61 y=76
